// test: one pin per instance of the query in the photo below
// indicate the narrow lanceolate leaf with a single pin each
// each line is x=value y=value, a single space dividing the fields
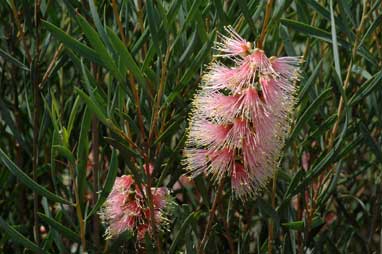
x=60 y=228
x=92 y=104
x=25 y=179
x=308 y=113
x=335 y=44
x=366 y=88
x=244 y=8
x=5 y=113
x=369 y=31
x=375 y=148
x=180 y=233
x=65 y=152
x=83 y=150
x=108 y=185
x=310 y=81
x=153 y=22
x=323 y=35
x=126 y=59
x=19 y=238
x=99 y=26
x=72 y=43
x=299 y=225
x=99 y=47
x=13 y=60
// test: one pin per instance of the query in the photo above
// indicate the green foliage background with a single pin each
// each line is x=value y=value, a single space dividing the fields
x=85 y=98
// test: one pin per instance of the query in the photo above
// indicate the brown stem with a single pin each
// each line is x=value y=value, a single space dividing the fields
x=95 y=155
x=137 y=105
x=119 y=23
x=268 y=11
x=21 y=30
x=227 y=233
x=159 y=94
x=151 y=207
x=51 y=65
x=270 y=225
x=202 y=244
x=347 y=79
x=36 y=115
x=78 y=209
x=141 y=26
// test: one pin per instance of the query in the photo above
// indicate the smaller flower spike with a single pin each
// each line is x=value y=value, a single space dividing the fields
x=241 y=115
x=126 y=210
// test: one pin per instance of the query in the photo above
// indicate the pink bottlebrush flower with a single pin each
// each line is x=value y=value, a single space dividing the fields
x=209 y=134
x=240 y=180
x=241 y=115
x=232 y=45
x=142 y=230
x=126 y=209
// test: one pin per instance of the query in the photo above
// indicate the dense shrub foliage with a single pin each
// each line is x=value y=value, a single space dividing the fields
x=93 y=90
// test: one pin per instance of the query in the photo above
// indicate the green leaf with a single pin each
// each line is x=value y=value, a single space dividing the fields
x=327 y=15
x=170 y=130
x=334 y=44
x=366 y=88
x=55 y=235
x=307 y=29
x=325 y=36
x=72 y=43
x=310 y=81
x=99 y=47
x=99 y=26
x=73 y=114
x=375 y=148
x=308 y=113
x=19 y=238
x=153 y=22
x=197 y=60
x=126 y=59
x=245 y=10
x=287 y=41
x=66 y=153
x=300 y=225
x=83 y=151
x=13 y=60
x=25 y=179
x=296 y=179
x=7 y=118
x=190 y=17
x=191 y=218
x=94 y=107
x=108 y=185
x=268 y=210
x=60 y=228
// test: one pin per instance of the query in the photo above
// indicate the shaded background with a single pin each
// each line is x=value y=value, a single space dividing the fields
x=89 y=87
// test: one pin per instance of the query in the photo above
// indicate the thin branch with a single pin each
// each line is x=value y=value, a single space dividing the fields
x=268 y=12
x=21 y=30
x=203 y=243
x=78 y=209
x=270 y=225
x=51 y=65
x=348 y=74
x=96 y=169
x=117 y=17
x=36 y=115
x=159 y=94
x=227 y=234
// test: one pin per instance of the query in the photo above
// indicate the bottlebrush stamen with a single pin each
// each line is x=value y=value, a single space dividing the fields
x=241 y=115
x=125 y=208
